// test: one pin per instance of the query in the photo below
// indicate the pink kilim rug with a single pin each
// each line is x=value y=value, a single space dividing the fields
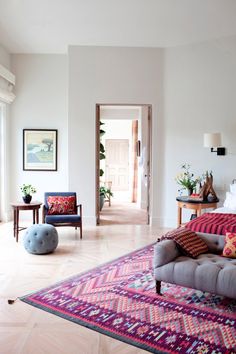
x=118 y=299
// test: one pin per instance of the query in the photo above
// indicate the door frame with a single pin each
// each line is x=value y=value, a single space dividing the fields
x=97 y=148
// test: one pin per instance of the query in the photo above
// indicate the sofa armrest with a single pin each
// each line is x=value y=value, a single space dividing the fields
x=165 y=251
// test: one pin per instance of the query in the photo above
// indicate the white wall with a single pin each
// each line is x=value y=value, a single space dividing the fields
x=41 y=103
x=108 y=75
x=5 y=58
x=191 y=89
x=199 y=96
x=119 y=112
x=117 y=129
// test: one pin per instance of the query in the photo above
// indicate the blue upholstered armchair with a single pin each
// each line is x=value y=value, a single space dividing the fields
x=61 y=209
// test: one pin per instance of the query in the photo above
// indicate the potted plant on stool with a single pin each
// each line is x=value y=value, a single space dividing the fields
x=104 y=193
x=27 y=190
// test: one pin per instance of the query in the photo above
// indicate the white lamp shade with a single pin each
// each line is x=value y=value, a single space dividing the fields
x=212 y=140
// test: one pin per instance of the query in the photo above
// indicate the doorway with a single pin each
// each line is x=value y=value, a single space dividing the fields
x=125 y=163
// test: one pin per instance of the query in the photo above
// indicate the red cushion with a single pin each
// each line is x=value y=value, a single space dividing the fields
x=188 y=241
x=61 y=205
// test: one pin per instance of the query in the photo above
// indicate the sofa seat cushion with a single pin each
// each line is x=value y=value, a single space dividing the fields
x=208 y=272
x=53 y=219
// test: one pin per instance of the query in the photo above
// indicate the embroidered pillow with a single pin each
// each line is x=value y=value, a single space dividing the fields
x=61 y=205
x=188 y=241
x=230 y=245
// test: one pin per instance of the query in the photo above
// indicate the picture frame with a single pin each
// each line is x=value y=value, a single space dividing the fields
x=40 y=149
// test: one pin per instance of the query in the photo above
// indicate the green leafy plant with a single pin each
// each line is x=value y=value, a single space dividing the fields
x=27 y=189
x=186 y=179
x=105 y=192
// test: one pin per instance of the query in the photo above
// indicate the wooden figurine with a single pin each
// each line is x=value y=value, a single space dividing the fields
x=207 y=188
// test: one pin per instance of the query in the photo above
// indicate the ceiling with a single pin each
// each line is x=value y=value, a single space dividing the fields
x=49 y=26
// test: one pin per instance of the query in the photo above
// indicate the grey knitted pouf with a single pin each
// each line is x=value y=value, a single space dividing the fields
x=41 y=239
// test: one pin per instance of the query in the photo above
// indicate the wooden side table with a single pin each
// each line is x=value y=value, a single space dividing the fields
x=197 y=206
x=34 y=206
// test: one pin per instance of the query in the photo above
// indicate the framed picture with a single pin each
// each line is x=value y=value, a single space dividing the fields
x=39 y=150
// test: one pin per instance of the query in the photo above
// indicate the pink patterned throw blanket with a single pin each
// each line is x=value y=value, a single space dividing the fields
x=213 y=223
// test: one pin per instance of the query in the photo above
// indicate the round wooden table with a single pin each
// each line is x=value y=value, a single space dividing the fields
x=17 y=206
x=196 y=205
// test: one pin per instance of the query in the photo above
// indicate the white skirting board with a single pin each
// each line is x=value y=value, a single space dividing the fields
x=163 y=222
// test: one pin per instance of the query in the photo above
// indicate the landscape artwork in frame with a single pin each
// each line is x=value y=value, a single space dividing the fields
x=39 y=150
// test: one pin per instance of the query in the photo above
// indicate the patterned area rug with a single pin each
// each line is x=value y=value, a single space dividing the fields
x=118 y=299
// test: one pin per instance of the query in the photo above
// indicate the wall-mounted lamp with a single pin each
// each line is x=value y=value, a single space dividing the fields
x=213 y=140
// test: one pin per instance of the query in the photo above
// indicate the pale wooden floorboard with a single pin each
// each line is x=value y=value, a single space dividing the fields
x=28 y=330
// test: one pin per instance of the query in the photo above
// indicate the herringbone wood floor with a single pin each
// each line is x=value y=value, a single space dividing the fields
x=122 y=213
x=27 y=330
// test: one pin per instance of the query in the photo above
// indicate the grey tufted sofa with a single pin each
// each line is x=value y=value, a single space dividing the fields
x=208 y=272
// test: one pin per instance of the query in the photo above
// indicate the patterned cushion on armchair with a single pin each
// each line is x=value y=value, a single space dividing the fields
x=61 y=205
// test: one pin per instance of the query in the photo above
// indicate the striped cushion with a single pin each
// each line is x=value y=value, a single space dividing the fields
x=188 y=241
